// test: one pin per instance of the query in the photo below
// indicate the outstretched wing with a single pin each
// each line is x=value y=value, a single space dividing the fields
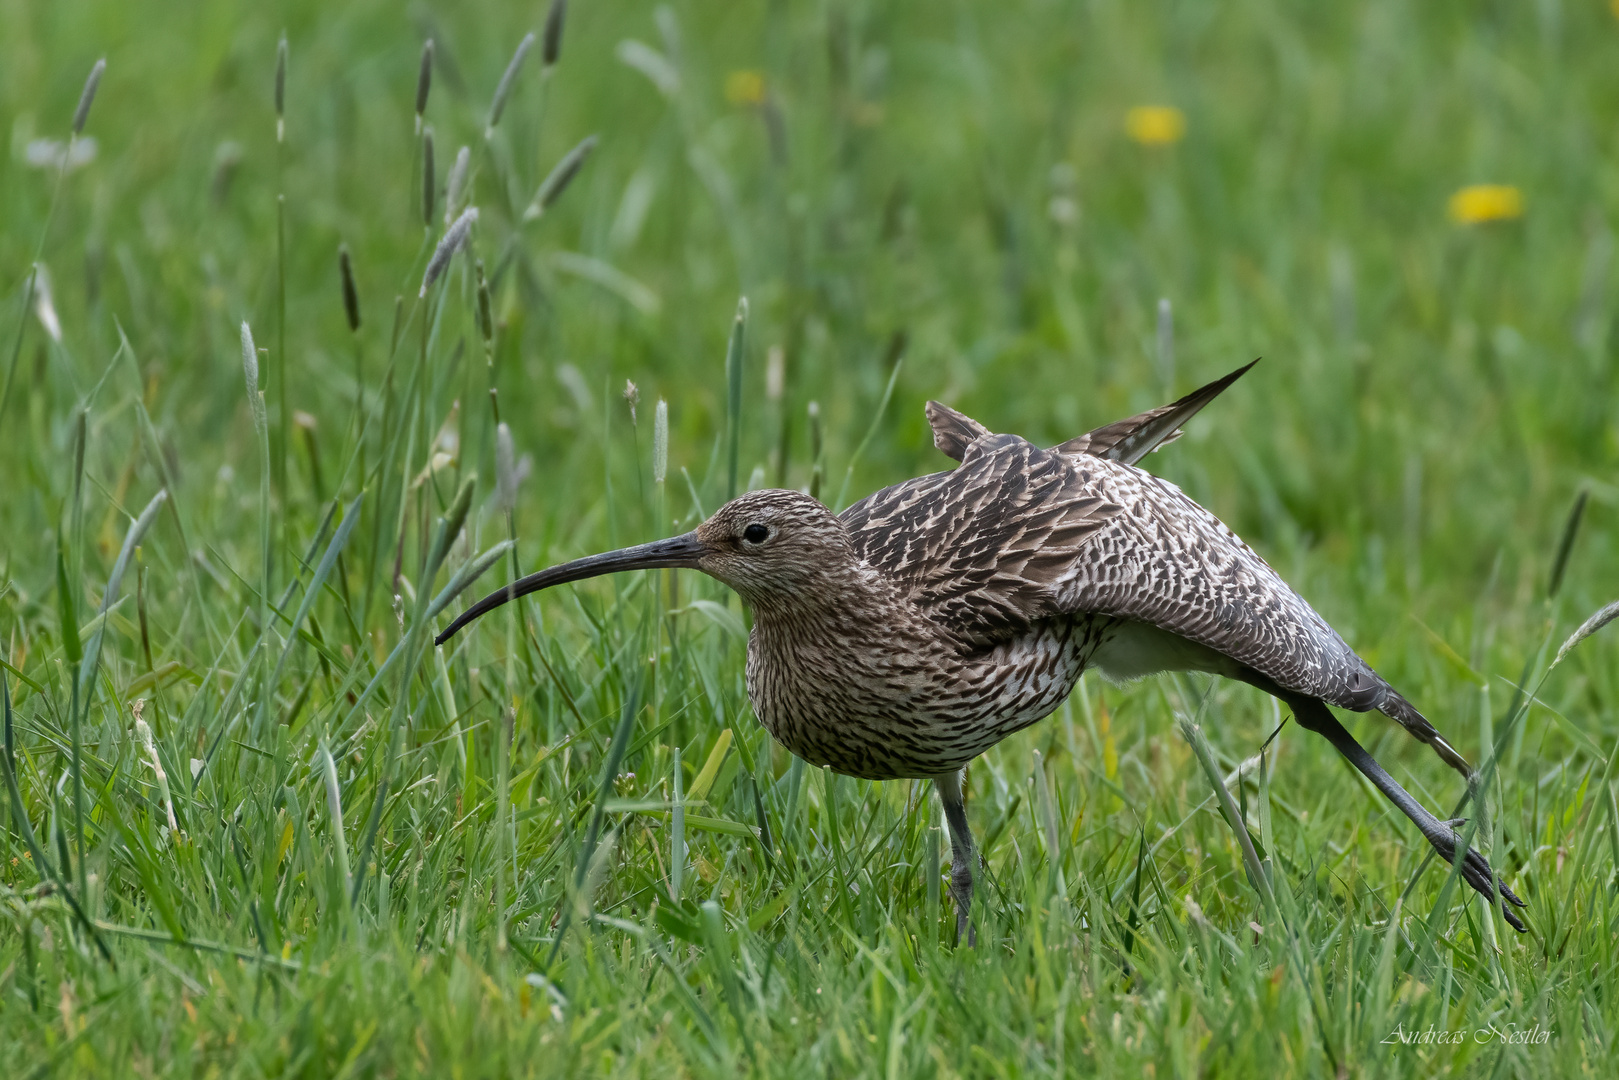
x=1167 y=561
x=1017 y=534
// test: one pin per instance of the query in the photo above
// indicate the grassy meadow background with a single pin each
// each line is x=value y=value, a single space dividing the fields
x=463 y=862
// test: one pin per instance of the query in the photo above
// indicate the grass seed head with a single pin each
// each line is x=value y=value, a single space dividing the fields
x=250 y=360
x=660 y=442
x=1166 y=342
x=455 y=236
x=505 y=468
x=424 y=80
x=503 y=90
x=281 y=89
x=552 y=187
x=250 y=371
x=87 y=96
x=817 y=468
x=351 y=295
x=551 y=44
x=45 y=303
x=632 y=397
x=455 y=186
x=429 y=176
x=1571 y=529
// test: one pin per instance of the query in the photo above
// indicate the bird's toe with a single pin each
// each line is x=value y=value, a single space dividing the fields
x=1476 y=870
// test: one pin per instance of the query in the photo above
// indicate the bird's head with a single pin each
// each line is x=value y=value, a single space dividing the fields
x=773 y=547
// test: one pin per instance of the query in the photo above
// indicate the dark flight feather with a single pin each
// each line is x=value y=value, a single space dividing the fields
x=1127 y=440
x=1017 y=534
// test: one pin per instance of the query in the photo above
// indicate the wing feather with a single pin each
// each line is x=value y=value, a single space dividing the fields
x=978 y=547
x=1127 y=440
x=1132 y=439
x=953 y=432
x=1017 y=534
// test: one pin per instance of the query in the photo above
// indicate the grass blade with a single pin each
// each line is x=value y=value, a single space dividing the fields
x=587 y=850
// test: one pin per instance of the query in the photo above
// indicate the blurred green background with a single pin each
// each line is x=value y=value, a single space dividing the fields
x=956 y=186
x=905 y=173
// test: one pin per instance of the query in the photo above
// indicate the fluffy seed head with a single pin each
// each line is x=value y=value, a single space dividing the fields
x=503 y=89
x=250 y=371
x=455 y=186
x=505 y=469
x=660 y=442
x=454 y=237
x=552 y=187
x=250 y=360
x=87 y=96
x=45 y=303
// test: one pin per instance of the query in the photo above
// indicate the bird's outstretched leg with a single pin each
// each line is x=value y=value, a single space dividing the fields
x=963 y=853
x=1312 y=714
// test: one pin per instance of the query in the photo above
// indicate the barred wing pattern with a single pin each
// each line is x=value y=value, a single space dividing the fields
x=1017 y=534
x=1169 y=562
x=981 y=548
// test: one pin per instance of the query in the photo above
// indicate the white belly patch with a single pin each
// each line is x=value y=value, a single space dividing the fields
x=1133 y=650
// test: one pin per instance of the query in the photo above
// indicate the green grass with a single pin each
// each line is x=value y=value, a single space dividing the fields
x=466 y=871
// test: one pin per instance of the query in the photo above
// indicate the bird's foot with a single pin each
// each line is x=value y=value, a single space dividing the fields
x=1476 y=872
x=961 y=888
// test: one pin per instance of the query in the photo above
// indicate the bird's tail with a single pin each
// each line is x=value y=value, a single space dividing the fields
x=1397 y=708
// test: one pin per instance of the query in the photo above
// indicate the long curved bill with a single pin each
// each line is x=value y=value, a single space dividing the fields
x=677 y=552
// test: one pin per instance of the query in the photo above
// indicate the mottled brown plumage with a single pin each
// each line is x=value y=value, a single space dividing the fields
x=936 y=617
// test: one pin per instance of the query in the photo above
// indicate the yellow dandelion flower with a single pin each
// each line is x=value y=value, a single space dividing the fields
x=1155 y=125
x=1478 y=203
x=745 y=87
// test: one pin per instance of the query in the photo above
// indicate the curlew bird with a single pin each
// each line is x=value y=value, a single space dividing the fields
x=932 y=619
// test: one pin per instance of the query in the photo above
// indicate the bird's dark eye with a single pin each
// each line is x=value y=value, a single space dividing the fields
x=756 y=534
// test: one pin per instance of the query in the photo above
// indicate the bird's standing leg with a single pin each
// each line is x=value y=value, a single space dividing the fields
x=963 y=853
x=1313 y=715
